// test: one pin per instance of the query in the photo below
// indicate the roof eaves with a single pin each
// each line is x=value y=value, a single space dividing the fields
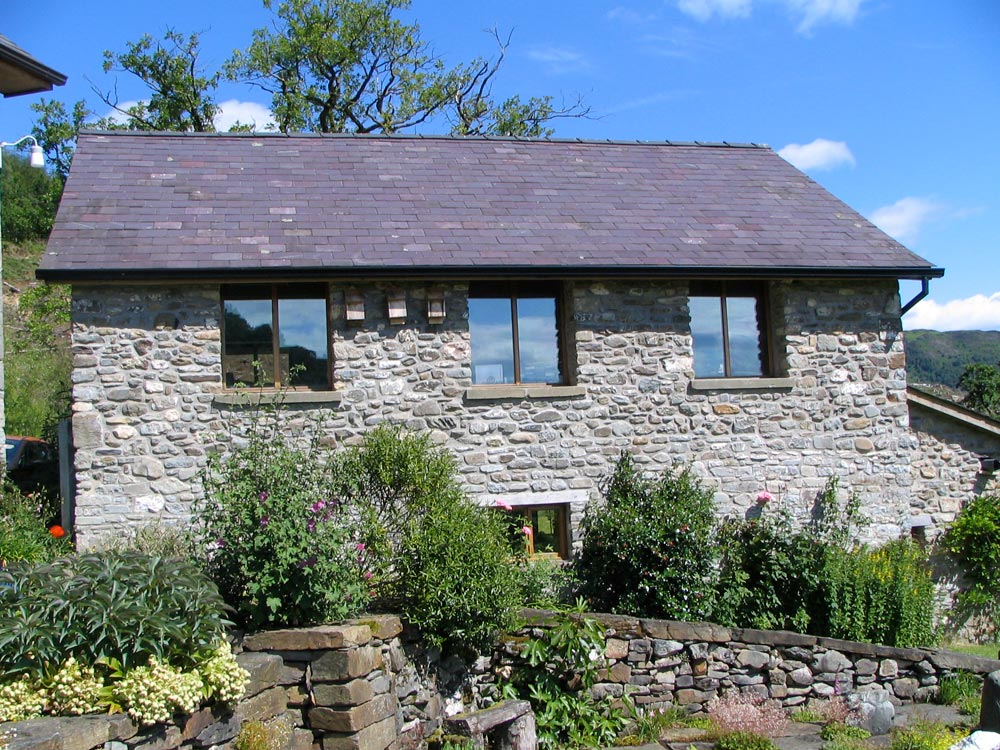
x=14 y=55
x=64 y=275
x=953 y=411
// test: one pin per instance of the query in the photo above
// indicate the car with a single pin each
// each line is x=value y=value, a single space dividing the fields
x=32 y=465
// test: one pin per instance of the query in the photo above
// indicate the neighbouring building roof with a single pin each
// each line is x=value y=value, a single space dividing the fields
x=20 y=73
x=951 y=410
x=141 y=205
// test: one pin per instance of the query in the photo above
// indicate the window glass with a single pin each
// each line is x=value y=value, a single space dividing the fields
x=249 y=339
x=546 y=531
x=744 y=337
x=492 y=338
x=706 y=334
x=538 y=336
x=302 y=341
x=251 y=353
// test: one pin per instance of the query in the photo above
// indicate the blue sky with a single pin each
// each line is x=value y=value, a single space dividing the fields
x=893 y=105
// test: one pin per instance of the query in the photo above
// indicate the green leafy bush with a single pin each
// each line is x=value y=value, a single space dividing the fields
x=560 y=666
x=655 y=534
x=964 y=690
x=925 y=735
x=443 y=562
x=122 y=606
x=838 y=730
x=24 y=535
x=282 y=553
x=973 y=540
x=882 y=595
x=769 y=574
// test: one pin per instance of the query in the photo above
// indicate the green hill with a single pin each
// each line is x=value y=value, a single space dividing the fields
x=941 y=356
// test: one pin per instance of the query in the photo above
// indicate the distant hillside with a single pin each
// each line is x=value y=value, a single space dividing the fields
x=941 y=356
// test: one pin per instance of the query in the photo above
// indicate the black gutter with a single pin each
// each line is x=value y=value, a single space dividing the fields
x=482 y=272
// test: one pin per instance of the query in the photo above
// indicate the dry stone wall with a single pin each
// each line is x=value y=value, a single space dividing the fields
x=149 y=403
x=369 y=685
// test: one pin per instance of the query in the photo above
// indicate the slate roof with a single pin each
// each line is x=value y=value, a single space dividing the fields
x=141 y=205
x=20 y=73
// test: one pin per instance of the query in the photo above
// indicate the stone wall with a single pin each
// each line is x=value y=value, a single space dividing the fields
x=149 y=403
x=368 y=685
x=947 y=465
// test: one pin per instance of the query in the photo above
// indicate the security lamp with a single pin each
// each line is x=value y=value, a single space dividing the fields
x=37 y=155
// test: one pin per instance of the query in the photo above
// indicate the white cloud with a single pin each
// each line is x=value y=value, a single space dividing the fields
x=975 y=313
x=232 y=111
x=559 y=59
x=809 y=13
x=904 y=218
x=703 y=10
x=815 y=12
x=629 y=15
x=820 y=154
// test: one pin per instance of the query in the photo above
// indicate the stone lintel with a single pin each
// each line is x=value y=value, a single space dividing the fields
x=251 y=397
x=309 y=639
x=674 y=630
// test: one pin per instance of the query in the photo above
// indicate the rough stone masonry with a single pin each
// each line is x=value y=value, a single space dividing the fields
x=149 y=403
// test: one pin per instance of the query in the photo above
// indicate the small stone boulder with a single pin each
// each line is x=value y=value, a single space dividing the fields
x=872 y=710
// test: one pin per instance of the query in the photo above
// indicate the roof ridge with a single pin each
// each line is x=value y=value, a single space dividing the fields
x=422 y=136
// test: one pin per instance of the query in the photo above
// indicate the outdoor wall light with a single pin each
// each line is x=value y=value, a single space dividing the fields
x=37 y=159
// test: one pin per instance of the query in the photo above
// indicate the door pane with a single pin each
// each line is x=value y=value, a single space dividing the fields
x=492 y=336
x=539 y=339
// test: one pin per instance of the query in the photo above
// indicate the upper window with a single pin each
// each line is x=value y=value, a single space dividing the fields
x=276 y=336
x=515 y=333
x=729 y=331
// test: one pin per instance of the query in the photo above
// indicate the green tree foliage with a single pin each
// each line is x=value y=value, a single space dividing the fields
x=973 y=540
x=982 y=386
x=940 y=357
x=656 y=535
x=56 y=130
x=30 y=198
x=181 y=93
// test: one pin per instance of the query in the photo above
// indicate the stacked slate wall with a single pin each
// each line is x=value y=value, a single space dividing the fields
x=368 y=685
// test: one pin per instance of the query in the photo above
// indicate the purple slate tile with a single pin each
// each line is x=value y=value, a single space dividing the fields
x=374 y=201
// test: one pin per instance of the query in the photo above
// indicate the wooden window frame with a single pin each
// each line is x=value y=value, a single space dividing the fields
x=514 y=290
x=236 y=292
x=757 y=290
x=562 y=530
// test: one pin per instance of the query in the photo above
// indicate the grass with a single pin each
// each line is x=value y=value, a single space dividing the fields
x=985 y=650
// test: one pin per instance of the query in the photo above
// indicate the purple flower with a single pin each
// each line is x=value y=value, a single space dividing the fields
x=311 y=525
x=220 y=542
x=263 y=496
x=264 y=521
x=318 y=506
x=308 y=562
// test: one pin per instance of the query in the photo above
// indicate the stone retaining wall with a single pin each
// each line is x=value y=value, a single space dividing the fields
x=368 y=685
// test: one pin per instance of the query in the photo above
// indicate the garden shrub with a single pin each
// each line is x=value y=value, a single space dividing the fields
x=159 y=539
x=973 y=541
x=560 y=666
x=921 y=734
x=281 y=550
x=152 y=694
x=768 y=574
x=25 y=535
x=95 y=607
x=881 y=595
x=444 y=563
x=737 y=711
x=648 y=549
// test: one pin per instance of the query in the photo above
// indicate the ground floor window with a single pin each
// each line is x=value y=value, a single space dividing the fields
x=549 y=530
x=276 y=335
